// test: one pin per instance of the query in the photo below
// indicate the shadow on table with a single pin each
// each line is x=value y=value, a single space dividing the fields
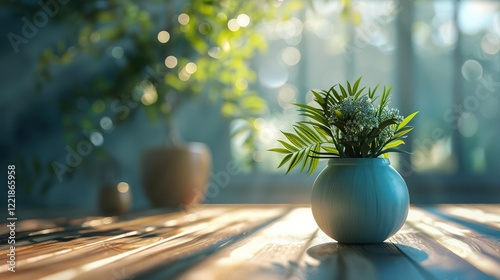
x=375 y=261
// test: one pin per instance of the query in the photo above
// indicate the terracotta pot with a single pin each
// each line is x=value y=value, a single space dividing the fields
x=176 y=176
x=359 y=200
x=114 y=199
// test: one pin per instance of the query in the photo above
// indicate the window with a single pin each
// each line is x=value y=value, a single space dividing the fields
x=443 y=59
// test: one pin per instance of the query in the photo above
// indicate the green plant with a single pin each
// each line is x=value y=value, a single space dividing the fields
x=152 y=56
x=345 y=124
x=160 y=55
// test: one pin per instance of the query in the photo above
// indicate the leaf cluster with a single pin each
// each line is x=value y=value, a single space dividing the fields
x=318 y=137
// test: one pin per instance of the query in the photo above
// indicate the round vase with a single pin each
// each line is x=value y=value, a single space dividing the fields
x=359 y=200
x=176 y=176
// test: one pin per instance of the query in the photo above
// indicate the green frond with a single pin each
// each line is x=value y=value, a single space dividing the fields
x=371 y=93
x=402 y=132
x=279 y=150
x=287 y=146
x=394 y=144
x=330 y=150
x=407 y=120
x=358 y=94
x=307 y=131
x=318 y=126
x=337 y=96
x=392 y=150
x=319 y=119
x=294 y=139
x=296 y=158
x=285 y=160
x=344 y=93
x=309 y=109
x=313 y=163
x=355 y=87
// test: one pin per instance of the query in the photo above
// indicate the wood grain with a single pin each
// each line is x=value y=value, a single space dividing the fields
x=271 y=253
x=254 y=242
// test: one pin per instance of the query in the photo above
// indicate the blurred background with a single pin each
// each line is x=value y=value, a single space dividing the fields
x=88 y=86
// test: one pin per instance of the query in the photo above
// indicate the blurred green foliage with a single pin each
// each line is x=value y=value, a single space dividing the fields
x=212 y=41
x=221 y=57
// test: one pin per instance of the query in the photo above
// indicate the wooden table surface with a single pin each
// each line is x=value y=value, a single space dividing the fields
x=253 y=242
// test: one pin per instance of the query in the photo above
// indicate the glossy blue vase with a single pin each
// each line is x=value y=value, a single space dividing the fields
x=359 y=200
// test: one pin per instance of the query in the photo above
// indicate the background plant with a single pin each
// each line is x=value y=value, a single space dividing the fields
x=158 y=54
x=345 y=123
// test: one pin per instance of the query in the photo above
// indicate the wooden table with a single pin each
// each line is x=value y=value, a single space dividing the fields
x=253 y=242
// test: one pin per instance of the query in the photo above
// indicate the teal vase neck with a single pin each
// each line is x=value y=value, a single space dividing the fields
x=359 y=161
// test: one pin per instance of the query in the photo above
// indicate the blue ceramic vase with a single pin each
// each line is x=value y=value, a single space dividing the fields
x=359 y=200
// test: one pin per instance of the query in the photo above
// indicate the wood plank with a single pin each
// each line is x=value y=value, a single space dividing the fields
x=326 y=259
x=134 y=256
x=41 y=256
x=436 y=260
x=29 y=229
x=483 y=252
x=318 y=261
x=488 y=216
x=98 y=232
x=271 y=253
x=256 y=241
x=169 y=257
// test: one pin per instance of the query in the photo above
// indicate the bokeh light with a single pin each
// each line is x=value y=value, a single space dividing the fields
x=243 y=20
x=474 y=16
x=106 y=123
x=490 y=44
x=232 y=24
x=183 y=19
x=149 y=94
x=287 y=95
x=447 y=33
x=163 y=36
x=122 y=187
x=290 y=56
x=290 y=28
x=171 y=61
x=191 y=67
x=221 y=17
x=184 y=74
x=117 y=52
x=214 y=52
x=272 y=74
x=472 y=70
x=96 y=138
